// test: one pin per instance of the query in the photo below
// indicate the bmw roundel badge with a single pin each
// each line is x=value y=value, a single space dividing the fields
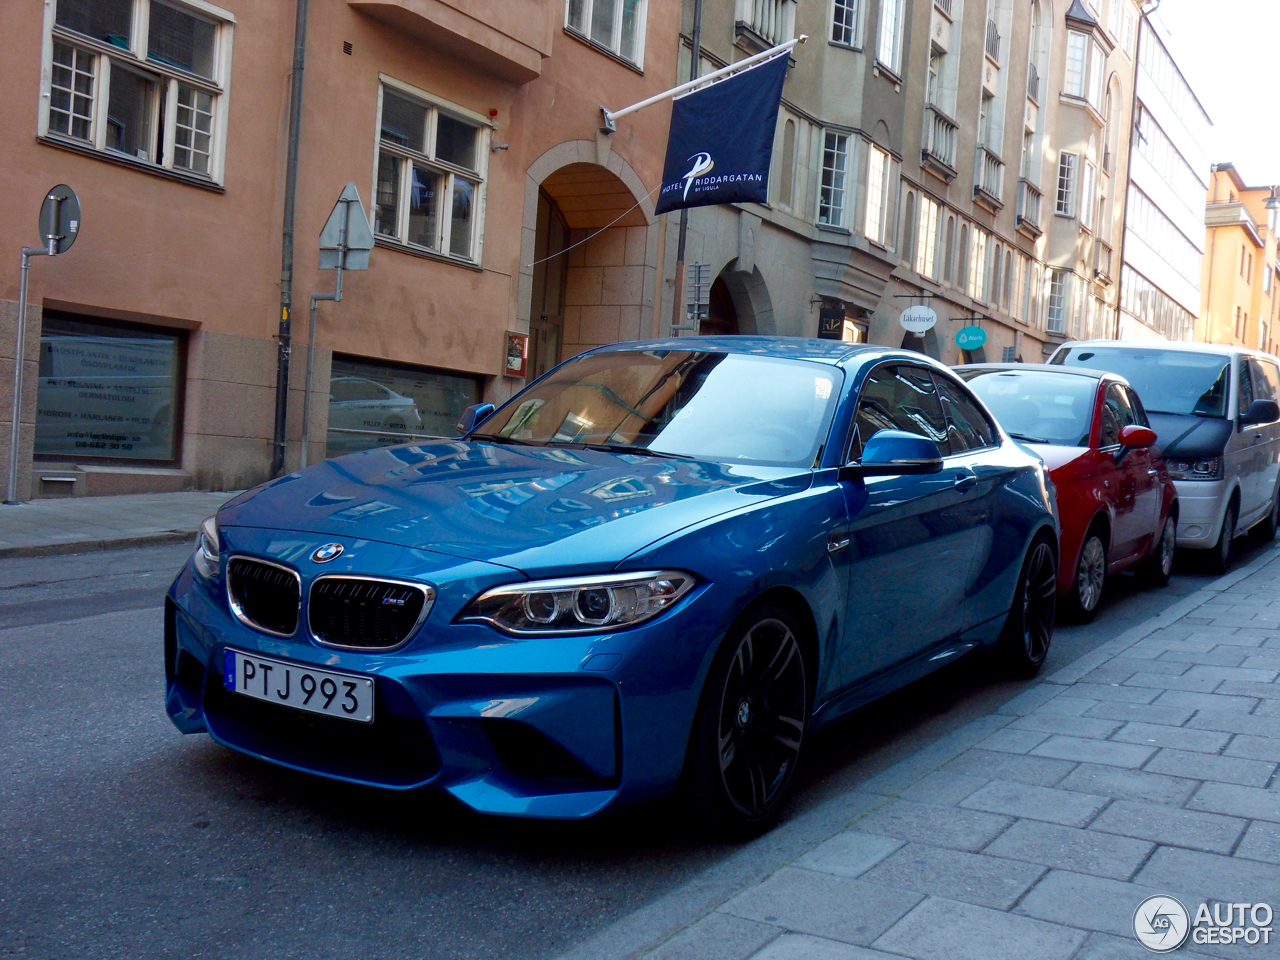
x=326 y=553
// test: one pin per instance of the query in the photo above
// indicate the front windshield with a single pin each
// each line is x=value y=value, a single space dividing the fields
x=1168 y=381
x=712 y=406
x=1036 y=406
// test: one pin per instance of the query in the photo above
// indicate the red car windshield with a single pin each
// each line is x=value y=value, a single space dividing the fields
x=1037 y=406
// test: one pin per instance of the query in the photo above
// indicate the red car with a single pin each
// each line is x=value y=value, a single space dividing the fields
x=1117 y=506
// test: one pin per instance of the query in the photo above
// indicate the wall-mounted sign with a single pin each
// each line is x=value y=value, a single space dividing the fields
x=918 y=319
x=831 y=320
x=517 y=354
x=971 y=338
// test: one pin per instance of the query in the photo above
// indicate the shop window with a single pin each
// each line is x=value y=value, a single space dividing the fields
x=375 y=404
x=107 y=391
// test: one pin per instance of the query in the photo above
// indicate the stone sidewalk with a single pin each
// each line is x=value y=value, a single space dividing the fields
x=82 y=524
x=1149 y=766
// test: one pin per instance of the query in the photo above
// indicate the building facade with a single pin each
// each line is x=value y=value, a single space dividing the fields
x=1239 y=302
x=471 y=132
x=1164 y=221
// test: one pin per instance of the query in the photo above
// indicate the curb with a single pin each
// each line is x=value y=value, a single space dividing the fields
x=657 y=922
x=93 y=546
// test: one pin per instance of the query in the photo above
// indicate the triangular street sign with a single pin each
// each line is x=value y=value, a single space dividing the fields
x=359 y=236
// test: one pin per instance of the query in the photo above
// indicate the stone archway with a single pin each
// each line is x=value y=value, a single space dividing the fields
x=752 y=304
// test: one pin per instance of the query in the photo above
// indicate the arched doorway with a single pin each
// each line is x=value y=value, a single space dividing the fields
x=747 y=297
x=722 y=318
x=550 y=273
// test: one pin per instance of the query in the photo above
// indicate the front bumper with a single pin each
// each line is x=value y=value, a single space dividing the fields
x=556 y=727
x=1202 y=504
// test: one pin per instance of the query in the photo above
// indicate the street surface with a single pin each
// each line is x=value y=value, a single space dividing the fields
x=121 y=837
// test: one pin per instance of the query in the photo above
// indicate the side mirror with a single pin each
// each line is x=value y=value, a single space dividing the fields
x=894 y=453
x=1136 y=436
x=473 y=416
x=1261 y=411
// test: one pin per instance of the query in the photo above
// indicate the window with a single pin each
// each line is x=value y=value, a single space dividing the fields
x=997 y=277
x=1266 y=279
x=909 y=230
x=962 y=258
x=107 y=390
x=162 y=105
x=1087 y=184
x=927 y=239
x=1116 y=415
x=1097 y=76
x=1077 y=57
x=987 y=121
x=430 y=175
x=1010 y=284
x=1244 y=387
x=1154 y=144
x=616 y=25
x=1148 y=223
x=936 y=58
x=978 y=265
x=1066 y=205
x=967 y=427
x=379 y=404
x=787 y=175
x=898 y=398
x=1058 y=301
x=1140 y=298
x=835 y=166
x=877 y=188
x=844 y=23
x=1242 y=253
x=949 y=250
x=890 y=33
x=1130 y=23
x=1248 y=276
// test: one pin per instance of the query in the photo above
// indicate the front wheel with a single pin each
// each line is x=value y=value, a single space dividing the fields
x=752 y=724
x=1158 y=568
x=1024 y=642
x=1090 y=579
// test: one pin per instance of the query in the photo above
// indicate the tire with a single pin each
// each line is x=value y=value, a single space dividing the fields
x=1265 y=531
x=1158 y=568
x=752 y=725
x=1028 y=630
x=1220 y=554
x=1090 y=580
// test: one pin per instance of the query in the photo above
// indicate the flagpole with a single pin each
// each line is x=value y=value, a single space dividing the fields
x=695 y=61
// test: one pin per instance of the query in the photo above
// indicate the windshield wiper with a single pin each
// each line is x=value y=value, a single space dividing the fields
x=632 y=448
x=1026 y=439
x=498 y=438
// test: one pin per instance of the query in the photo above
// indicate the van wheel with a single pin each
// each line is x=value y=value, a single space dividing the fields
x=1266 y=530
x=1220 y=554
x=1158 y=568
x=1090 y=578
x=1028 y=631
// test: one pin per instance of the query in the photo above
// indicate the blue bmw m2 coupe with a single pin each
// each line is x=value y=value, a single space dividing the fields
x=661 y=564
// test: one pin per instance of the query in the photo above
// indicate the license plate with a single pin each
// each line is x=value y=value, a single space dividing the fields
x=348 y=696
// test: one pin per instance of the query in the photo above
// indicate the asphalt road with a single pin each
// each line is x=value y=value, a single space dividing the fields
x=120 y=837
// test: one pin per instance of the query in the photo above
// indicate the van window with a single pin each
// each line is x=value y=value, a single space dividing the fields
x=1263 y=375
x=1244 y=388
x=1178 y=382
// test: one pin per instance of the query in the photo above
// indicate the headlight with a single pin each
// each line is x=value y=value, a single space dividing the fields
x=206 y=557
x=579 y=604
x=1195 y=469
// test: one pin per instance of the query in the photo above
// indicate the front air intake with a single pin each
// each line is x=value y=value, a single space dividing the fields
x=366 y=613
x=264 y=595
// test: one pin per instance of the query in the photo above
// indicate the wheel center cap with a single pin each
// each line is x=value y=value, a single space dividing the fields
x=744 y=713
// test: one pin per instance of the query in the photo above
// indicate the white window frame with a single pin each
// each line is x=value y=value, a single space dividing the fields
x=1097 y=75
x=846 y=29
x=1064 y=202
x=614 y=45
x=889 y=42
x=407 y=157
x=979 y=241
x=875 y=223
x=831 y=213
x=1088 y=183
x=927 y=239
x=1077 y=69
x=134 y=59
x=1057 y=302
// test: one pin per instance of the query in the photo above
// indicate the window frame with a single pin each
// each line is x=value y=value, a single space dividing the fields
x=167 y=80
x=894 y=50
x=880 y=236
x=824 y=189
x=407 y=158
x=853 y=28
x=642 y=21
x=1065 y=192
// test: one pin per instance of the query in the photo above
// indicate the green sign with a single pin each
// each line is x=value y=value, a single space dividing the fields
x=971 y=338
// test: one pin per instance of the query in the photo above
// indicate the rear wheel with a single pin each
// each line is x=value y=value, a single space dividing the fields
x=1158 y=568
x=1028 y=631
x=1266 y=530
x=1090 y=578
x=752 y=724
x=1220 y=554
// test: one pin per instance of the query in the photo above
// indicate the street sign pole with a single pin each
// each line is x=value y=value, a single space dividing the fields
x=311 y=326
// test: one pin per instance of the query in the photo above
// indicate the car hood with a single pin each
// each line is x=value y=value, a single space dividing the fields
x=1057 y=457
x=533 y=509
x=1190 y=437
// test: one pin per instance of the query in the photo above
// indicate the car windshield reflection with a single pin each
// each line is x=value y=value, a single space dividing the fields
x=1168 y=381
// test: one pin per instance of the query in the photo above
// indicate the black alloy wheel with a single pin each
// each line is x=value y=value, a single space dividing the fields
x=1158 y=568
x=1028 y=631
x=752 y=723
x=1266 y=530
x=1220 y=554
x=1091 y=578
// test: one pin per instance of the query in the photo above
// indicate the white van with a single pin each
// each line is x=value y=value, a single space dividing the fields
x=1216 y=412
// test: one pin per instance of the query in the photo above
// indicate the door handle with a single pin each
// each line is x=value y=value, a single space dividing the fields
x=837 y=542
x=965 y=481
x=1153 y=473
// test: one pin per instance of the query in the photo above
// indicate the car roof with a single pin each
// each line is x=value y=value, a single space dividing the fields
x=834 y=352
x=1089 y=372
x=1222 y=349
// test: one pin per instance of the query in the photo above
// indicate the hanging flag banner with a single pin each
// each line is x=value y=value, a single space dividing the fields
x=721 y=139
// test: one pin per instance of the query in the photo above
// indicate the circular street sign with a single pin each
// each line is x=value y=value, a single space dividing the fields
x=971 y=338
x=918 y=319
x=64 y=231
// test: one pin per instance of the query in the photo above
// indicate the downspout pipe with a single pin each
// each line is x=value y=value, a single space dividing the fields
x=695 y=63
x=285 y=335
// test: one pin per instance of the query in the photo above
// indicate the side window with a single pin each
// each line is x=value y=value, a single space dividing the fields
x=1116 y=415
x=1139 y=411
x=898 y=398
x=1244 y=398
x=1263 y=386
x=1272 y=373
x=967 y=428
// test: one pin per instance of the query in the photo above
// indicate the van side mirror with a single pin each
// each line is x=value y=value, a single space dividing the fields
x=891 y=453
x=1261 y=411
x=473 y=416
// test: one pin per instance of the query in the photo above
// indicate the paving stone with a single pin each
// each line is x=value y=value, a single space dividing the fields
x=926 y=823
x=1261 y=842
x=1080 y=900
x=1204 y=766
x=944 y=787
x=1247 y=723
x=1239 y=674
x=1162 y=735
x=1114 y=672
x=1129 y=784
x=1064 y=707
x=1101 y=946
x=1249 y=688
x=1211 y=876
x=1029 y=699
x=991 y=765
x=1218 y=657
x=1142 y=712
x=717 y=936
x=1268 y=662
x=849 y=853
x=1238 y=801
x=971 y=877
x=1159 y=681
x=1036 y=803
x=1268 y=708
x=946 y=930
x=1111 y=691
x=835 y=907
x=1069 y=726
x=1170 y=825
x=1208 y=702
x=1171 y=668
x=1254 y=748
x=1068 y=848
x=1199 y=642
x=1013 y=741
x=801 y=946
x=1094 y=751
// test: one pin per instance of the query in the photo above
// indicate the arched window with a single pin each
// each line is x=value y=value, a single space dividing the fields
x=949 y=250
x=962 y=264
